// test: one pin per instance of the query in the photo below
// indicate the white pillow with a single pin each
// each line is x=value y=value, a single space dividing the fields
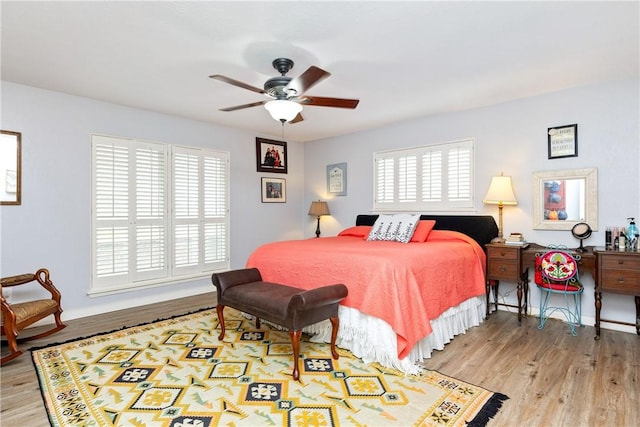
x=398 y=227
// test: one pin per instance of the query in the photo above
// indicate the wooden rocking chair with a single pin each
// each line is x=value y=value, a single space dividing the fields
x=16 y=317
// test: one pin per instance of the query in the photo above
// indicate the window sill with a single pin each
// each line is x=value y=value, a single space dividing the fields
x=131 y=287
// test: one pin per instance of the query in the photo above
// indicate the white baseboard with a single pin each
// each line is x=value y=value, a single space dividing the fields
x=71 y=314
x=586 y=320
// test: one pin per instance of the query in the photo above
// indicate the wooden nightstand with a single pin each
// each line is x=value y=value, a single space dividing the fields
x=504 y=262
x=617 y=272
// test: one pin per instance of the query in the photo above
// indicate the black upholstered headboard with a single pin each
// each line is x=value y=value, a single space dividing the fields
x=481 y=228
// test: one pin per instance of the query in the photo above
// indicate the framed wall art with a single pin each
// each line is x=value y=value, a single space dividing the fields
x=563 y=141
x=10 y=167
x=271 y=156
x=274 y=190
x=337 y=179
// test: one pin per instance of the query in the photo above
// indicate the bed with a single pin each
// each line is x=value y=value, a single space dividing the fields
x=405 y=299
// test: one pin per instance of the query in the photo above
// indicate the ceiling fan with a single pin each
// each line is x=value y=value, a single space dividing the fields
x=286 y=94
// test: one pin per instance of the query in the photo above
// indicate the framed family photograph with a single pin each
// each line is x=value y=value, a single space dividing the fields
x=274 y=190
x=563 y=141
x=271 y=156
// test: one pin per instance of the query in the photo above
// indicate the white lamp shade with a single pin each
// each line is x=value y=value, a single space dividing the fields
x=283 y=110
x=500 y=192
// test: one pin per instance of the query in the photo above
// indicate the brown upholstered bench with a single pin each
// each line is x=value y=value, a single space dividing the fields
x=287 y=306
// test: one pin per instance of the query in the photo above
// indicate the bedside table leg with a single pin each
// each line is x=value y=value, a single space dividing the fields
x=488 y=294
x=492 y=284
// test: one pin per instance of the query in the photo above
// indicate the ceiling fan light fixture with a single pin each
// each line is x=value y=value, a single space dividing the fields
x=283 y=110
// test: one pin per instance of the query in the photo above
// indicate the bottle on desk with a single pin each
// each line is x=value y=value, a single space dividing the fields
x=632 y=235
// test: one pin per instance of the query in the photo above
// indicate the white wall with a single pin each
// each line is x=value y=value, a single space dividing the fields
x=510 y=138
x=51 y=228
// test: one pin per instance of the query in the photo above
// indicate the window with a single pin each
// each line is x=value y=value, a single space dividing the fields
x=159 y=213
x=428 y=178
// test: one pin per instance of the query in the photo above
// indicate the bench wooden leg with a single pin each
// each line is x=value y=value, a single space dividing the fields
x=295 y=343
x=219 y=309
x=335 y=323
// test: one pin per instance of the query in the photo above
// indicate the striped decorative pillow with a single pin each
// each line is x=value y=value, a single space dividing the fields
x=399 y=227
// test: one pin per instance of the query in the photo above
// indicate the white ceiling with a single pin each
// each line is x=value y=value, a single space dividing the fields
x=401 y=59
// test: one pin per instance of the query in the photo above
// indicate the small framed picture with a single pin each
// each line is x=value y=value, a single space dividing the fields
x=337 y=179
x=271 y=156
x=274 y=190
x=563 y=141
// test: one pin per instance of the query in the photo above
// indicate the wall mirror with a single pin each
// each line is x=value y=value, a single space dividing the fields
x=10 y=167
x=563 y=198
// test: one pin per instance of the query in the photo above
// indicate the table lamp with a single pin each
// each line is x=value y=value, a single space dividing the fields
x=318 y=209
x=500 y=193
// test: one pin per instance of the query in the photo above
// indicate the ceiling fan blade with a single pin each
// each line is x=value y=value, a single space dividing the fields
x=240 y=107
x=297 y=119
x=236 y=83
x=306 y=80
x=320 y=101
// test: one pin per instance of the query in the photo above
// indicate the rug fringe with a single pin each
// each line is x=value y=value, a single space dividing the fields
x=41 y=347
x=489 y=410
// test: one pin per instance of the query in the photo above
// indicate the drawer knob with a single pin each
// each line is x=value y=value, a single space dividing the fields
x=502 y=254
x=502 y=269
x=620 y=261
x=620 y=279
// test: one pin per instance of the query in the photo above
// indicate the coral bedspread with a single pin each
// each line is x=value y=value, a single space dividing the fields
x=406 y=285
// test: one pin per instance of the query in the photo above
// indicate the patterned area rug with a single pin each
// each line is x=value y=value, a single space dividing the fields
x=175 y=372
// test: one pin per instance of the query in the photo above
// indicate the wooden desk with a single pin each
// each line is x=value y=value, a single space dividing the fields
x=512 y=263
x=612 y=271
x=587 y=263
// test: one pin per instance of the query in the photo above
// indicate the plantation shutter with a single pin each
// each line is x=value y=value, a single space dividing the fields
x=428 y=178
x=459 y=175
x=407 y=178
x=151 y=211
x=111 y=210
x=129 y=210
x=153 y=219
x=384 y=180
x=215 y=211
x=200 y=209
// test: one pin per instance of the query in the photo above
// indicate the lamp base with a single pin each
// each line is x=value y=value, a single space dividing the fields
x=498 y=240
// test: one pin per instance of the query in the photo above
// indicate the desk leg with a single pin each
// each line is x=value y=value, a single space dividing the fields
x=519 y=286
x=525 y=284
x=598 y=297
x=637 y=315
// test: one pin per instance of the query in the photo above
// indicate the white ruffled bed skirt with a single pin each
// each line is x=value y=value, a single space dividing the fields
x=373 y=340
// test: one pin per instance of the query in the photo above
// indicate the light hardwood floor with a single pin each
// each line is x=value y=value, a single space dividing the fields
x=551 y=377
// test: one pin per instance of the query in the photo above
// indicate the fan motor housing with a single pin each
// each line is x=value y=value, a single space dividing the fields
x=275 y=85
